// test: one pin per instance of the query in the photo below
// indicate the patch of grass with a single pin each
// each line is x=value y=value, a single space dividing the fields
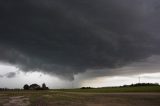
x=3 y=100
x=115 y=89
x=79 y=97
x=44 y=97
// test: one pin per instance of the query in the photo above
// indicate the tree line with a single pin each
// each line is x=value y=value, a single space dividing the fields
x=35 y=87
x=27 y=87
x=141 y=84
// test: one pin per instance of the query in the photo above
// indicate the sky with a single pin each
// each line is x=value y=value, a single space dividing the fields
x=75 y=43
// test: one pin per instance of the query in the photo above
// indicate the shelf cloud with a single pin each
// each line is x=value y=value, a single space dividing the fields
x=63 y=37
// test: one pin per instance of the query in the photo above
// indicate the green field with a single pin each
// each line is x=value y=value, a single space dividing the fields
x=120 y=96
x=115 y=89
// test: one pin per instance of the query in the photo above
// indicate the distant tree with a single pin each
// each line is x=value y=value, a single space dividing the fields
x=141 y=84
x=26 y=87
x=34 y=87
x=44 y=87
x=86 y=88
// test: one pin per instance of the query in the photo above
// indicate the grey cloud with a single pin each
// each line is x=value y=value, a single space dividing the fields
x=149 y=65
x=64 y=37
x=1 y=76
x=10 y=75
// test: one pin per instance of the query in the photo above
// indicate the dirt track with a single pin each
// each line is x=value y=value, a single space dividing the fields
x=17 y=101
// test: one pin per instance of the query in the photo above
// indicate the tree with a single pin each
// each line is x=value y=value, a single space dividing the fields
x=44 y=87
x=34 y=87
x=26 y=87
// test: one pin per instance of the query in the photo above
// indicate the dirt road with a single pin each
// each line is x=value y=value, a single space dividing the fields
x=17 y=101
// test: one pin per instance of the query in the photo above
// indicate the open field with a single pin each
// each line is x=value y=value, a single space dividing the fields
x=81 y=97
x=116 y=89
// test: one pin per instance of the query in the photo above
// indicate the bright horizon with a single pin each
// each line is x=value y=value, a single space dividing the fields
x=20 y=79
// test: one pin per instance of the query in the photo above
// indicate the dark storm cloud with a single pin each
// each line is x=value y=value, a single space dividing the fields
x=149 y=65
x=66 y=36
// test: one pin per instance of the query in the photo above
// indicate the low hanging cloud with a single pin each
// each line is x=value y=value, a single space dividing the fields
x=65 y=37
x=149 y=65
x=1 y=76
x=10 y=75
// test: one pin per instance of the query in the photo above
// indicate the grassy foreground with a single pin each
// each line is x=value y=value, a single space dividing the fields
x=42 y=98
x=125 y=96
x=115 y=89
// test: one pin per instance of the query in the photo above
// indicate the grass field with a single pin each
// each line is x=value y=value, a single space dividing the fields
x=116 y=89
x=128 y=96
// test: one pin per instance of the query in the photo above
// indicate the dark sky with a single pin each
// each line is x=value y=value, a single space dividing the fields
x=71 y=36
